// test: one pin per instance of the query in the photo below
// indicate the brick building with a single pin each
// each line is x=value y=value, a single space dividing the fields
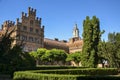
x=30 y=30
x=75 y=43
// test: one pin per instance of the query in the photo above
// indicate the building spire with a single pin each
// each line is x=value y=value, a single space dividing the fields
x=75 y=31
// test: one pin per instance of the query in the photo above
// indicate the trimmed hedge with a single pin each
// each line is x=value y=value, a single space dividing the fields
x=74 y=74
x=86 y=71
x=40 y=76
x=48 y=67
x=35 y=76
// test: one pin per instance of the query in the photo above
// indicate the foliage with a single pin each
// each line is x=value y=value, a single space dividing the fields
x=46 y=67
x=34 y=54
x=91 y=38
x=38 y=54
x=67 y=74
x=81 y=71
x=11 y=56
x=41 y=52
x=111 y=50
x=59 y=55
x=44 y=56
x=76 y=57
x=35 y=76
x=5 y=46
x=48 y=57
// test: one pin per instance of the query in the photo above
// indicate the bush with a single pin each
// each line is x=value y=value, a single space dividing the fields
x=68 y=74
x=86 y=71
x=35 y=76
x=46 y=67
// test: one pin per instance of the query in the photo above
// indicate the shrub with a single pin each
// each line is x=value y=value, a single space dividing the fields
x=36 y=76
x=68 y=74
x=86 y=71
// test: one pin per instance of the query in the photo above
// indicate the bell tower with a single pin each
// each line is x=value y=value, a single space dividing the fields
x=75 y=31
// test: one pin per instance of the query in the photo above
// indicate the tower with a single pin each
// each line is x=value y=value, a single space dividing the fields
x=75 y=43
x=75 y=31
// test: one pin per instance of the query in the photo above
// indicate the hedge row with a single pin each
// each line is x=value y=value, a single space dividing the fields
x=68 y=74
x=49 y=67
x=85 y=71
x=36 y=76
x=6 y=69
x=40 y=76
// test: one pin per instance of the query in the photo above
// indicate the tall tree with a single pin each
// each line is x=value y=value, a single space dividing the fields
x=110 y=50
x=91 y=38
x=11 y=56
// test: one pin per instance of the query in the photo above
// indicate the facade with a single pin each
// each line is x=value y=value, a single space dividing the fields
x=75 y=43
x=29 y=30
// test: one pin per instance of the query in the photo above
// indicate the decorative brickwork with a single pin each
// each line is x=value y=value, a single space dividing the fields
x=30 y=30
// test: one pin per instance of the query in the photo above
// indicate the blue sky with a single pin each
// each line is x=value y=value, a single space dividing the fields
x=60 y=16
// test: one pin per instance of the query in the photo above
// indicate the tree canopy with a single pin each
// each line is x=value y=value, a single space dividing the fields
x=76 y=57
x=11 y=56
x=110 y=50
x=91 y=37
x=44 y=56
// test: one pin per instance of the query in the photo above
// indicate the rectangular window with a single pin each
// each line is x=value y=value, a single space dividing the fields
x=31 y=39
x=24 y=37
x=31 y=29
x=31 y=23
x=37 y=31
x=25 y=28
x=37 y=40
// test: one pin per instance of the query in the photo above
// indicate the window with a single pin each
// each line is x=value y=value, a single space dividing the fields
x=37 y=31
x=24 y=37
x=25 y=28
x=31 y=29
x=37 y=40
x=31 y=23
x=31 y=39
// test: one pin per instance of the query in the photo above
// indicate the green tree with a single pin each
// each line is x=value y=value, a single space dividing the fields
x=35 y=56
x=76 y=57
x=59 y=55
x=11 y=56
x=38 y=55
x=48 y=57
x=54 y=55
x=5 y=46
x=110 y=50
x=91 y=38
